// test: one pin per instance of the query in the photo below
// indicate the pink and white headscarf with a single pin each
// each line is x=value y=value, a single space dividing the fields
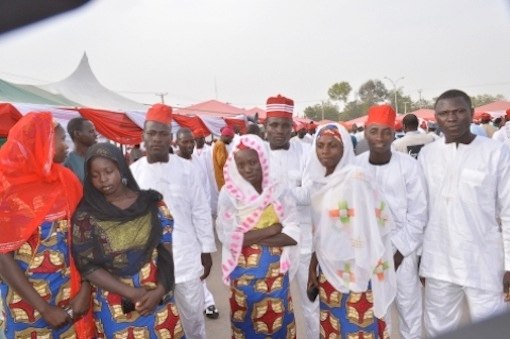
x=240 y=205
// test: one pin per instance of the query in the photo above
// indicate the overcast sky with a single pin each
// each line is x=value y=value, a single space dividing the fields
x=241 y=51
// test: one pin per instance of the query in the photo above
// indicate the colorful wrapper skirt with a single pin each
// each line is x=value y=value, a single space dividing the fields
x=261 y=306
x=348 y=315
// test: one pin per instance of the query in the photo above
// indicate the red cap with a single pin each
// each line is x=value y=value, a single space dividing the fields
x=299 y=126
x=398 y=125
x=485 y=117
x=381 y=114
x=198 y=133
x=227 y=131
x=159 y=113
x=279 y=107
x=508 y=113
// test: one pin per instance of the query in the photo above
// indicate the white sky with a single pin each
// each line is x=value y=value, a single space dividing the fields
x=255 y=49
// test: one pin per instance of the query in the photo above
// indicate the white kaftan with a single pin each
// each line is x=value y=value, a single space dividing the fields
x=179 y=183
x=402 y=185
x=464 y=245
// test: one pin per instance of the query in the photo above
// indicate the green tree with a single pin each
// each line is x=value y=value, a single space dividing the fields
x=484 y=99
x=373 y=92
x=405 y=102
x=325 y=110
x=354 y=109
x=340 y=91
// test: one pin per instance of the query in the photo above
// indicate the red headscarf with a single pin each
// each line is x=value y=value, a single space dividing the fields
x=33 y=188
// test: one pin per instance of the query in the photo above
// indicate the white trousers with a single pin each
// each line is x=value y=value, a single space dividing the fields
x=444 y=305
x=311 y=311
x=408 y=300
x=208 y=297
x=189 y=297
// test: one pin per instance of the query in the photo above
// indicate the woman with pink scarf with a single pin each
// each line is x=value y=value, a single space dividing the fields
x=257 y=224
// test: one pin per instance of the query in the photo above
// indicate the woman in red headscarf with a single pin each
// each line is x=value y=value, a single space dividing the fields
x=39 y=285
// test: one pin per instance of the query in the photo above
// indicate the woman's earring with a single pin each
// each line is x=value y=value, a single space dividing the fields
x=124 y=181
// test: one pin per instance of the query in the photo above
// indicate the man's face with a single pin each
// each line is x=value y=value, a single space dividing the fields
x=60 y=145
x=186 y=143
x=200 y=142
x=157 y=138
x=87 y=135
x=379 y=137
x=278 y=131
x=454 y=116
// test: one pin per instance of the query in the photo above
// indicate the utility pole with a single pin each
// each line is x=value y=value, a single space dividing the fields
x=161 y=95
x=405 y=106
x=394 y=83
x=419 y=94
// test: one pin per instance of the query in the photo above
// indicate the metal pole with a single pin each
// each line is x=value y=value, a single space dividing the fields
x=394 y=83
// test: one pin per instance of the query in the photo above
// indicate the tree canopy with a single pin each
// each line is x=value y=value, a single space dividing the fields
x=370 y=93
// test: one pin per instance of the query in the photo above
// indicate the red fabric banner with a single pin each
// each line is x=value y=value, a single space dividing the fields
x=9 y=115
x=115 y=126
x=193 y=123
x=240 y=124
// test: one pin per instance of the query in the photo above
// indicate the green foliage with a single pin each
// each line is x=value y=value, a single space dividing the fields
x=373 y=92
x=484 y=99
x=340 y=91
x=325 y=110
x=354 y=109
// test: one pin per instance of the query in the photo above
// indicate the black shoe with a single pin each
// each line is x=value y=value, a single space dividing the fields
x=211 y=312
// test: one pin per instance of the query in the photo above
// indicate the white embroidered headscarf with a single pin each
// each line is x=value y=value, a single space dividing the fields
x=240 y=205
x=351 y=227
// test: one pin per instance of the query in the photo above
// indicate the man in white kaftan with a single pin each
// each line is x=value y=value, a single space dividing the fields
x=414 y=140
x=186 y=145
x=466 y=252
x=193 y=238
x=503 y=134
x=399 y=178
x=287 y=162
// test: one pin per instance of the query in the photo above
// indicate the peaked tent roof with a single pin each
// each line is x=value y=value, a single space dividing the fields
x=83 y=88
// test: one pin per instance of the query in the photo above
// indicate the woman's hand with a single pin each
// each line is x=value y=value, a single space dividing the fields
x=81 y=302
x=276 y=229
x=150 y=300
x=313 y=278
x=55 y=316
x=136 y=293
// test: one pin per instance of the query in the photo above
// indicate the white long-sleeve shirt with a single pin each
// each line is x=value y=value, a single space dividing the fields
x=403 y=187
x=199 y=161
x=287 y=167
x=179 y=183
x=468 y=189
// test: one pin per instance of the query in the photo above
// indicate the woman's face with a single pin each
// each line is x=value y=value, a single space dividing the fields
x=105 y=176
x=248 y=165
x=60 y=145
x=329 y=151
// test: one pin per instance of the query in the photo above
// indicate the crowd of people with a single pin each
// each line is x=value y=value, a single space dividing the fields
x=101 y=244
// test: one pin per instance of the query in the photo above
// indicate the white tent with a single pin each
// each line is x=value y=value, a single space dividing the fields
x=83 y=87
